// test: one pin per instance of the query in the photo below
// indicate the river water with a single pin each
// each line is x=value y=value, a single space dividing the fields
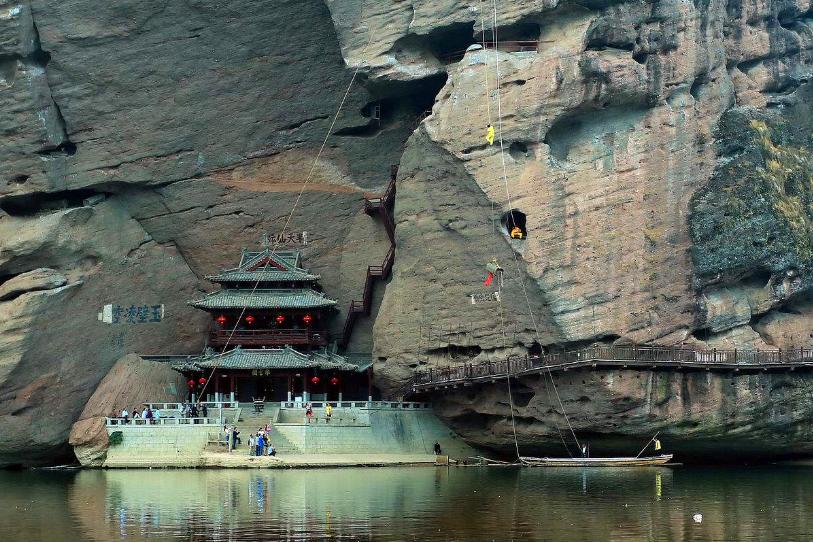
x=435 y=504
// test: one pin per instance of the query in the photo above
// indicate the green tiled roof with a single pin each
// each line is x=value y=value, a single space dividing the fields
x=270 y=358
x=304 y=298
x=284 y=267
x=267 y=274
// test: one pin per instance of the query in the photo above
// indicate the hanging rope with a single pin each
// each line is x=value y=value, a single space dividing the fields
x=278 y=240
x=510 y=206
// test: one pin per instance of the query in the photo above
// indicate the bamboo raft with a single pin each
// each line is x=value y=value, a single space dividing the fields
x=596 y=461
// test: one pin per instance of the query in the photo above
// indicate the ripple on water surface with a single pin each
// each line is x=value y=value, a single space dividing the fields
x=394 y=504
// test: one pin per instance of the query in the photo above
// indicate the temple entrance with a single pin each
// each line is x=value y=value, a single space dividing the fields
x=270 y=388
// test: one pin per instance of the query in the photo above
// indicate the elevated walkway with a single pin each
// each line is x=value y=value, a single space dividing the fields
x=619 y=357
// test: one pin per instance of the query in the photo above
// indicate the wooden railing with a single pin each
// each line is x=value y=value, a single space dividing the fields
x=645 y=357
x=511 y=46
x=268 y=337
x=382 y=205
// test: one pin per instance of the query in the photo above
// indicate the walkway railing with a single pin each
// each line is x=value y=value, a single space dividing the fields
x=369 y=405
x=262 y=337
x=513 y=46
x=141 y=422
x=644 y=357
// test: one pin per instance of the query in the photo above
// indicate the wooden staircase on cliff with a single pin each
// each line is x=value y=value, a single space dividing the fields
x=383 y=206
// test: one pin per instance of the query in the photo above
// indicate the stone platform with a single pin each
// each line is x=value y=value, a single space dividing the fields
x=240 y=460
x=378 y=434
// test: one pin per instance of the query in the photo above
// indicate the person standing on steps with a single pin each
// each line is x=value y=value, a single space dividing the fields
x=437 y=448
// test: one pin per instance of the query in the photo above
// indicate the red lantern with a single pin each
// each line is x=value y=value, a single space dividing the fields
x=201 y=381
x=191 y=383
x=221 y=320
x=334 y=381
x=250 y=319
x=280 y=319
x=307 y=319
x=315 y=379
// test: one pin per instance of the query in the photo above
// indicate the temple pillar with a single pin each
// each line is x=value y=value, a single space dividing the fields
x=370 y=384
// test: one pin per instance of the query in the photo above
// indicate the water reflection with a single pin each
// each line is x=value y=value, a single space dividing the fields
x=408 y=504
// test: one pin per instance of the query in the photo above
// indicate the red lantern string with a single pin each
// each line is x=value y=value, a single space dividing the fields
x=221 y=320
x=334 y=380
x=315 y=379
x=307 y=319
x=280 y=319
x=202 y=381
x=191 y=383
x=250 y=319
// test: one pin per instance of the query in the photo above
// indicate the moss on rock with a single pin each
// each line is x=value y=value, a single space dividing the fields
x=756 y=213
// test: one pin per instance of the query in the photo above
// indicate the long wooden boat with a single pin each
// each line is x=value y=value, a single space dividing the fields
x=596 y=461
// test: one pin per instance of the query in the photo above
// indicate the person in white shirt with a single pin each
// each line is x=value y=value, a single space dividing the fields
x=125 y=415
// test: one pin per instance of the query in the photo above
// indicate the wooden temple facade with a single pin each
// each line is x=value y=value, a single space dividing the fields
x=269 y=338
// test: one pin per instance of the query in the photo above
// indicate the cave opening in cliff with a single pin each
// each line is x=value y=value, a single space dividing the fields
x=514 y=223
x=521 y=32
x=535 y=349
x=36 y=203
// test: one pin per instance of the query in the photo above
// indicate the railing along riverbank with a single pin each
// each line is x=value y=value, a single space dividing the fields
x=642 y=357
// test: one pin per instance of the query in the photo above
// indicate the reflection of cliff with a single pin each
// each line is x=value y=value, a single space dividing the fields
x=429 y=504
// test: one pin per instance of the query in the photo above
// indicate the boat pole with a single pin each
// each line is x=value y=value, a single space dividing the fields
x=647 y=444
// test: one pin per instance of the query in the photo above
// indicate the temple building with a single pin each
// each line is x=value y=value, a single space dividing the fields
x=269 y=338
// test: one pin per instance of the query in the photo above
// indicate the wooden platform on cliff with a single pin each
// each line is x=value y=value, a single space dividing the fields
x=615 y=357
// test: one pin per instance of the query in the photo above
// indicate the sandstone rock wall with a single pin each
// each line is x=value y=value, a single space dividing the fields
x=130 y=383
x=144 y=144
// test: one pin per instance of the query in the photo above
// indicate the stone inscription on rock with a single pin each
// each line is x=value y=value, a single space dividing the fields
x=133 y=314
x=484 y=297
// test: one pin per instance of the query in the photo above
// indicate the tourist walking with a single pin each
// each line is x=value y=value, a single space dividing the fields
x=308 y=412
x=252 y=445
x=328 y=412
x=125 y=415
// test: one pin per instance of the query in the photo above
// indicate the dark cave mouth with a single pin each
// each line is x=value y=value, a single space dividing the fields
x=514 y=222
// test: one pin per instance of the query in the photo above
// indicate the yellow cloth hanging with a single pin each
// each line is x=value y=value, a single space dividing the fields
x=657 y=444
x=490 y=135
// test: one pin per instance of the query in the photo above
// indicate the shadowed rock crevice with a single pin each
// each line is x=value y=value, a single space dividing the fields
x=37 y=203
x=582 y=127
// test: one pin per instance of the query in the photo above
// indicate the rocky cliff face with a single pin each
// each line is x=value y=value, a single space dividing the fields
x=657 y=153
